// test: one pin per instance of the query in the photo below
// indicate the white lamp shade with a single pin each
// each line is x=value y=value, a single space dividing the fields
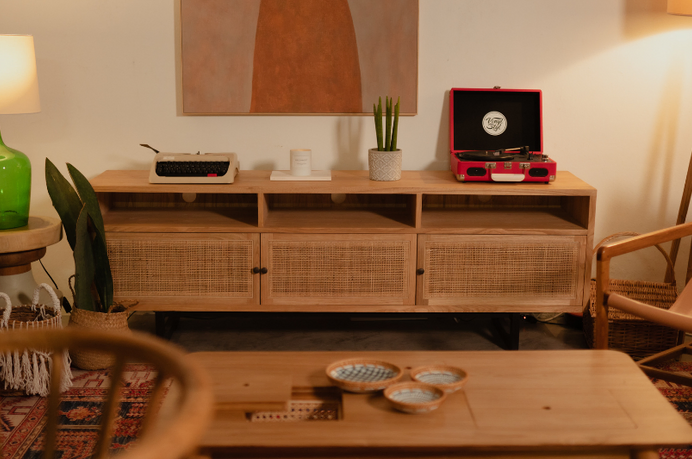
x=681 y=7
x=18 y=79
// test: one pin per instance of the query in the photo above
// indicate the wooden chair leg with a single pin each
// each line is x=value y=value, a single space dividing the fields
x=669 y=354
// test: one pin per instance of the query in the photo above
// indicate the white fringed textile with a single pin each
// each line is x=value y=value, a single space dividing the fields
x=30 y=372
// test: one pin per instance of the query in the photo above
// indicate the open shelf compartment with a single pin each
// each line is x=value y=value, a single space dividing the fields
x=179 y=212
x=505 y=214
x=336 y=212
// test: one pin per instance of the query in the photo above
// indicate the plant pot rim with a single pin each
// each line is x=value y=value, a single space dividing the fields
x=385 y=151
x=117 y=310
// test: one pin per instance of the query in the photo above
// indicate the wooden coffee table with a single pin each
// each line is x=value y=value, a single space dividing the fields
x=516 y=404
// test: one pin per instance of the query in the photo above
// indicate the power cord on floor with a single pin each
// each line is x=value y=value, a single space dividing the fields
x=65 y=302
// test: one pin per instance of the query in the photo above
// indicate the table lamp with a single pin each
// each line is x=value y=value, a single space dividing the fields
x=681 y=7
x=18 y=94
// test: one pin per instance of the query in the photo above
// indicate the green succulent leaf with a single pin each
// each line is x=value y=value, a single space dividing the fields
x=65 y=200
x=84 y=265
x=395 y=129
x=388 y=126
x=378 y=125
x=88 y=196
x=103 y=277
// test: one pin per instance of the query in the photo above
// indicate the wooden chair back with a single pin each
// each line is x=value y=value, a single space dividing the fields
x=177 y=436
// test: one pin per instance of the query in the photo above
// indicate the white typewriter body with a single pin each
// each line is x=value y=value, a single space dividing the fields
x=194 y=168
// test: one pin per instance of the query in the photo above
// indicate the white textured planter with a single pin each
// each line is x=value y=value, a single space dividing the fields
x=384 y=166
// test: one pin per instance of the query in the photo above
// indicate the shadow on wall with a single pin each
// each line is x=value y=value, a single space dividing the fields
x=349 y=131
x=442 y=149
x=642 y=18
x=661 y=152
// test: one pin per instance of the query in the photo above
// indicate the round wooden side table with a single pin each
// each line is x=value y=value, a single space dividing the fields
x=19 y=247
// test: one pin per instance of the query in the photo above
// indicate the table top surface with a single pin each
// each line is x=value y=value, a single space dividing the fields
x=40 y=232
x=517 y=399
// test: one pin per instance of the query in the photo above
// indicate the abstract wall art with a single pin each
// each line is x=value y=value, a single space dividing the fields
x=297 y=56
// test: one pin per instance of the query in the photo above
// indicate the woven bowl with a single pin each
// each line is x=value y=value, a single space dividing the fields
x=448 y=378
x=415 y=397
x=363 y=375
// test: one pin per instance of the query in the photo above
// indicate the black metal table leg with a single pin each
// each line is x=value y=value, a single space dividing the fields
x=166 y=323
x=511 y=337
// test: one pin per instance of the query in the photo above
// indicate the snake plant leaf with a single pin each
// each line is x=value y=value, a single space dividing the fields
x=65 y=200
x=378 y=125
x=395 y=129
x=102 y=275
x=84 y=264
x=103 y=278
x=388 y=125
x=88 y=196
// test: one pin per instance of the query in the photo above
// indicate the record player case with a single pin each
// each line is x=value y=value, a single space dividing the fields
x=496 y=136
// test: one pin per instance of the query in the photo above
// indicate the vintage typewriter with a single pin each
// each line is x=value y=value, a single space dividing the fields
x=193 y=168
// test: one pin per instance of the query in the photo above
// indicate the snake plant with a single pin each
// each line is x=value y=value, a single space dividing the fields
x=81 y=217
x=386 y=141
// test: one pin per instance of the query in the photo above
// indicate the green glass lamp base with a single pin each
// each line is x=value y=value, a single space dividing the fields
x=15 y=187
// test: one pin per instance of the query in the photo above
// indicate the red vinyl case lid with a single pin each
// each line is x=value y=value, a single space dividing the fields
x=493 y=119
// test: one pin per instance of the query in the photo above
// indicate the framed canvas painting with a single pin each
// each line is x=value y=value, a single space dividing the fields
x=244 y=57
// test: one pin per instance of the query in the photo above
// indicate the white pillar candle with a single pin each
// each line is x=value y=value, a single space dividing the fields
x=301 y=163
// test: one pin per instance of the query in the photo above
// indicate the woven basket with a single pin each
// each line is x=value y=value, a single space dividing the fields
x=637 y=337
x=30 y=371
x=106 y=321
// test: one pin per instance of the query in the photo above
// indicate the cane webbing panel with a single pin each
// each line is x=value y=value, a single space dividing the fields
x=501 y=269
x=339 y=268
x=211 y=268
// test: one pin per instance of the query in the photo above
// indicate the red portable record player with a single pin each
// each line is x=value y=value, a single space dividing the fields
x=496 y=136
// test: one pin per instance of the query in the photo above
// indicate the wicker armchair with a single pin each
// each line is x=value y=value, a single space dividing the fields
x=172 y=436
x=679 y=316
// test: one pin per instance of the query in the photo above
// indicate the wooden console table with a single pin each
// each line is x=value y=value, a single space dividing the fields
x=529 y=404
x=425 y=243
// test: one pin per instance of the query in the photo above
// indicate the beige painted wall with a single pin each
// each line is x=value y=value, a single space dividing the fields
x=616 y=77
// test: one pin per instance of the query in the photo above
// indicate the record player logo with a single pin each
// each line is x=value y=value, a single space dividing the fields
x=494 y=123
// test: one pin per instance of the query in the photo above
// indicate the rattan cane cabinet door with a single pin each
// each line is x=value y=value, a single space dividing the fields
x=312 y=270
x=185 y=271
x=501 y=273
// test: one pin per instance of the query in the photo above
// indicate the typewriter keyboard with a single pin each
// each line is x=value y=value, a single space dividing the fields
x=192 y=168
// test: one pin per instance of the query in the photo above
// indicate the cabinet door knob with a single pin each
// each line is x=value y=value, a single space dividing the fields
x=255 y=270
x=263 y=271
x=420 y=271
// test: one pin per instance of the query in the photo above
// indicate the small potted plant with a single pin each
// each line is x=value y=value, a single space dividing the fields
x=384 y=162
x=81 y=217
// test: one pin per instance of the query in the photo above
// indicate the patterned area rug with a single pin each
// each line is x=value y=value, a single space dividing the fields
x=681 y=398
x=22 y=417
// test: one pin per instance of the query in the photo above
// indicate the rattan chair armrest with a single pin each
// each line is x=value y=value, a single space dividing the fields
x=645 y=240
x=603 y=257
